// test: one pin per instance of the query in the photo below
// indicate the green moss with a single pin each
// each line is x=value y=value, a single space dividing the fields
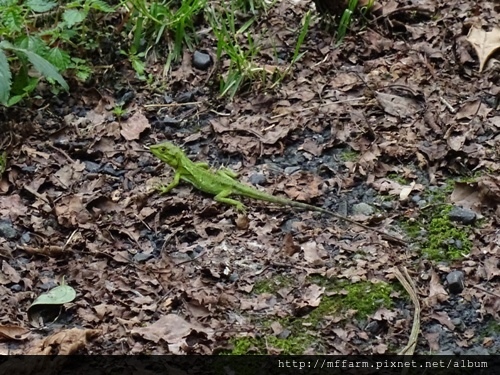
x=365 y=297
x=492 y=328
x=349 y=155
x=397 y=178
x=294 y=344
x=443 y=237
x=272 y=285
x=243 y=345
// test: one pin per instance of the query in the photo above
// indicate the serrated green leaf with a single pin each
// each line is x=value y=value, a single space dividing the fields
x=40 y=6
x=59 y=58
x=102 y=6
x=8 y=3
x=72 y=16
x=46 y=68
x=12 y=19
x=43 y=66
x=32 y=43
x=5 y=78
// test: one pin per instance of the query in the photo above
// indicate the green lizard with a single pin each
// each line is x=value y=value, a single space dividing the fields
x=222 y=183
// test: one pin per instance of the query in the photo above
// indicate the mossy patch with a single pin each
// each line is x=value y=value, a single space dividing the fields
x=440 y=238
x=349 y=155
x=397 y=178
x=272 y=285
x=446 y=240
x=364 y=297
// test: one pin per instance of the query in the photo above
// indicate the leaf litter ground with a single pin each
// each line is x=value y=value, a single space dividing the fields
x=385 y=120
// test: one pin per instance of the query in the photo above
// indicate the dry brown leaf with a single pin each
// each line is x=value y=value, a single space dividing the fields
x=433 y=340
x=443 y=318
x=172 y=329
x=289 y=246
x=484 y=42
x=312 y=253
x=466 y=195
x=398 y=106
x=134 y=126
x=12 y=332
x=11 y=206
x=437 y=293
x=492 y=267
x=65 y=342
x=312 y=295
x=12 y=276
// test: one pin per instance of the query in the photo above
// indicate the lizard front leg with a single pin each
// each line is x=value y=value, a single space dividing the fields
x=223 y=198
x=165 y=189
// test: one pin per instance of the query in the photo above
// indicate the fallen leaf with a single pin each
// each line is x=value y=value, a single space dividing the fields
x=12 y=332
x=437 y=293
x=443 y=318
x=172 y=329
x=484 y=42
x=134 y=126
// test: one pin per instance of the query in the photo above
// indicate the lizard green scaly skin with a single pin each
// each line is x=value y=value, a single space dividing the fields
x=222 y=183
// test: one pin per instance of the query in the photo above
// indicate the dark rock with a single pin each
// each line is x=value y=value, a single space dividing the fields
x=7 y=230
x=363 y=209
x=141 y=257
x=108 y=169
x=257 y=179
x=92 y=167
x=201 y=60
x=167 y=120
x=126 y=98
x=462 y=215
x=16 y=288
x=290 y=170
x=422 y=203
x=185 y=97
x=387 y=205
x=416 y=198
x=284 y=334
x=48 y=285
x=25 y=238
x=456 y=321
x=373 y=327
x=28 y=168
x=455 y=280
x=168 y=99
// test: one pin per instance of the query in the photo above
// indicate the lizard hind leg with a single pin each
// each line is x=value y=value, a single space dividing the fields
x=226 y=172
x=223 y=198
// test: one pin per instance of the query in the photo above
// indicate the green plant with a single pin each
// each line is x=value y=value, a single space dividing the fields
x=252 y=6
x=149 y=23
x=242 y=68
x=345 y=21
x=119 y=111
x=297 y=55
x=35 y=33
x=446 y=240
x=3 y=162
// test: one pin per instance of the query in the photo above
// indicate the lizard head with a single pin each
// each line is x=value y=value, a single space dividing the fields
x=168 y=153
